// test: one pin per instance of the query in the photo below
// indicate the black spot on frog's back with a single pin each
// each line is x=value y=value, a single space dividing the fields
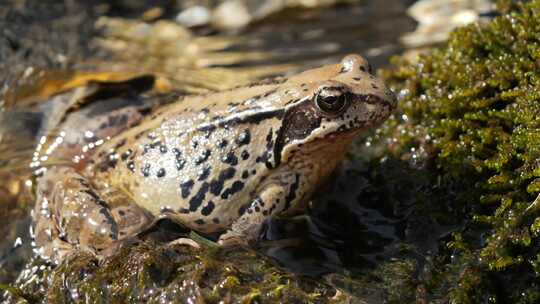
x=223 y=143
x=161 y=172
x=196 y=201
x=216 y=185
x=146 y=170
x=180 y=162
x=124 y=156
x=235 y=188
x=109 y=161
x=203 y=156
x=207 y=210
x=230 y=159
x=186 y=187
x=244 y=138
x=205 y=172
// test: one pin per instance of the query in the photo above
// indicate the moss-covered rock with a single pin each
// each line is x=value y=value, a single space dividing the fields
x=148 y=272
x=471 y=112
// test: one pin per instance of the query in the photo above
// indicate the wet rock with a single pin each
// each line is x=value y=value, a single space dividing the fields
x=437 y=18
x=149 y=272
x=197 y=15
x=231 y=14
x=237 y=14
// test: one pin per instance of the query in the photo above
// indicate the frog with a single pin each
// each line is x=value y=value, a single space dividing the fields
x=220 y=164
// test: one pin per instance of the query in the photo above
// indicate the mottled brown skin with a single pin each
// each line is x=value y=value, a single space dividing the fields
x=215 y=163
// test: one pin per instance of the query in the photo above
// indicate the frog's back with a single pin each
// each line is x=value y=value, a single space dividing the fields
x=198 y=165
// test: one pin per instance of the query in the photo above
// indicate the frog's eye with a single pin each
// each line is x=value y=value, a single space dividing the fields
x=333 y=104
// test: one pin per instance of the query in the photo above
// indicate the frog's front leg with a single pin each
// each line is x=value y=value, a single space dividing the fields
x=282 y=193
x=71 y=214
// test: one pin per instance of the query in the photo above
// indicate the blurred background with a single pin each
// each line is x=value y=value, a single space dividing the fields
x=248 y=39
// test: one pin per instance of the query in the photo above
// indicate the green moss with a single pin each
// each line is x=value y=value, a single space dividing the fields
x=156 y=273
x=474 y=106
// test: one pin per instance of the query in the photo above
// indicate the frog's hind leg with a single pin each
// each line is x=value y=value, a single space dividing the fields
x=71 y=214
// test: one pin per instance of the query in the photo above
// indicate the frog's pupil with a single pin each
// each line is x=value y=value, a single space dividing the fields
x=331 y=104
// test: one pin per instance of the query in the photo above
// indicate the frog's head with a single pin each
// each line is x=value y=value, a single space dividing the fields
x=335 y=104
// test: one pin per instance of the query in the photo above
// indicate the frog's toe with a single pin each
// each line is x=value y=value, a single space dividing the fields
x=55 y=251
x=184 y=242
x=232 y=239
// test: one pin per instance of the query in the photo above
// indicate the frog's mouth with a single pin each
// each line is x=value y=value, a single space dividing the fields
x=368 y=111
x=384 y=105
x=346 y=134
